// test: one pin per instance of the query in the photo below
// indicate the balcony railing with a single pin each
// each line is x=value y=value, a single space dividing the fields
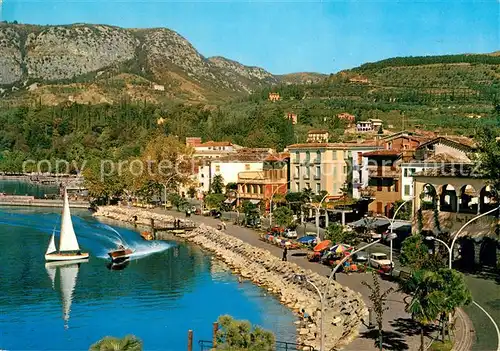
x=383 y=172
x=250 y=195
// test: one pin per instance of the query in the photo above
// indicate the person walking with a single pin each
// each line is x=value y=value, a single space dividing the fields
x=285 y=252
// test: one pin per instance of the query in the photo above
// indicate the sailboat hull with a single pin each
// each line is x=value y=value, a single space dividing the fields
x=66 y=256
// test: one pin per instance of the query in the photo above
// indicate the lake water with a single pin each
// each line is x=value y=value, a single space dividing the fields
x=167 y=289
x=18 y=187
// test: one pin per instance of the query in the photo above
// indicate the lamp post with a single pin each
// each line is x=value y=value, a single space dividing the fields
x=317 y=215
x=392 y=225
x=271 y=204
x=455 y=237
x=302 y=277
x=389 y=237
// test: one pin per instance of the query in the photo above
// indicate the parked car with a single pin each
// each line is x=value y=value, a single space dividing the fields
x=290 y=234
x=360 y=256
x=379 y=260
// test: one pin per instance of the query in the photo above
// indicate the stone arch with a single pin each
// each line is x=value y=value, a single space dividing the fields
x=488 y=252
x=488 y=199
x=448 y=199
x=428 y=197
x=468 y=202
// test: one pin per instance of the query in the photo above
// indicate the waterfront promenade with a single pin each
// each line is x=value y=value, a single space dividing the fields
x=30 y=201
x=400 y=331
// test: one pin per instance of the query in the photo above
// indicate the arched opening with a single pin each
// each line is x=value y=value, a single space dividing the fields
x=448 y=199
x=468 y=201
x=428 y=197
x=488 y=199
x=467 y=254
x=488 y=253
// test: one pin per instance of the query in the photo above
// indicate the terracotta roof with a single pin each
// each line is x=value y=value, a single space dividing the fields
x=257 y=175
x=445 y=157
x=278 y=157
x=455 y=170
x=250 y=157
x=346 y=145
x=216 y=143
x=383 y=153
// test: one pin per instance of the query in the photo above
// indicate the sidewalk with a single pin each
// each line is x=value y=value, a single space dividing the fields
x=400 y=332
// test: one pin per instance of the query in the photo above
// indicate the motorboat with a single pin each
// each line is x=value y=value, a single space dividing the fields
x=69 y=250
x=120 y=254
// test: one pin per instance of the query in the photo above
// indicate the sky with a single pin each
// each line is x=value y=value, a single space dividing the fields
x=291 y=36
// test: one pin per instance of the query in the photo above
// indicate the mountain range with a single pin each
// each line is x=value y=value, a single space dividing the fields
x=100 y=63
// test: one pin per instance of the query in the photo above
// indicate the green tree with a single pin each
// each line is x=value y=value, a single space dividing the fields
x=217 y=184
x=489 y=156
x=192 y=192
x=240 y=335
x=405 y=212
x=214 y=201
x=295 y=201
x=283 y=216
x=111 y=343
x=414 y=252
x=103 y=181
x=178 y=201
x=427 y=300
x=378 y=300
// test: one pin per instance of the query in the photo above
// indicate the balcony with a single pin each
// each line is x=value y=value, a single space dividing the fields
x=383 y=172
x=256 y=196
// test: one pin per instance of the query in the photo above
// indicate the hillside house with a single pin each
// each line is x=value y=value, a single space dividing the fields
x=274 y=97
x=318 y=136
x=292 y=117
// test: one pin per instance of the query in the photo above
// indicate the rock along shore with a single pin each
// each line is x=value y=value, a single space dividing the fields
x=344 y=308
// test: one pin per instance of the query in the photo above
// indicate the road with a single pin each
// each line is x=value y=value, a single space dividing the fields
x=400 y=331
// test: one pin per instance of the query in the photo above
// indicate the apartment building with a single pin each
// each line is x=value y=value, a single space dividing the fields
x=332 y=167
x=261 y=186
x=434 y=154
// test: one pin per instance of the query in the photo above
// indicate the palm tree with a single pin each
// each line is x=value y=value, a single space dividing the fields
x=111 y=343
x=427 y=301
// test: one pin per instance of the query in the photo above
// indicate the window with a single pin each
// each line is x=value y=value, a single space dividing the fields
x=297 y=171
x=407 y=190
x=318 y=171
x=297 y=186
x=247 y=167
x=405 y=172
x=412 y=171
x=308 y=173
x=345 y=169
x=308 y=186
x=297 y=156
x=318 y=156
x=334 y=172
x=334 y=188
x=308 y=156
x=203 y=175
x=318 y=188
x=379 y=184
x=334 y=154
x=217 y=168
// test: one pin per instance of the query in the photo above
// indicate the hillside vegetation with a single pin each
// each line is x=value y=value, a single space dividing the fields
x=99 y=63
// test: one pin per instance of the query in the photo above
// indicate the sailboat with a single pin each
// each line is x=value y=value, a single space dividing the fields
x=69 y=250
x=68 y=272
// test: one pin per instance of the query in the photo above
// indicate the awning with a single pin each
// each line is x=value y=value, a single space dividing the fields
x=229 y=201
x=400 y=224
x=255 y=202
x=370 y=223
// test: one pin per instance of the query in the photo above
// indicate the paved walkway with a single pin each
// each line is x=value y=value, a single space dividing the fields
x=400 y=332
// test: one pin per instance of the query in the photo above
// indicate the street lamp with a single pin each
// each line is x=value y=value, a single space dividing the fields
x=317 y=215
x=450 y=248
x=389 y=237
x=302 y=278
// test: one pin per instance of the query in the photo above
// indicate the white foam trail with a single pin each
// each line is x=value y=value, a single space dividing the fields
x=146 y=250
x=115 y=231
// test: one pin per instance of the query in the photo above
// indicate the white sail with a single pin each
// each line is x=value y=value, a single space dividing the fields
x=52 y=245
x=67 y=276
x=51 y=271
x=67 y=239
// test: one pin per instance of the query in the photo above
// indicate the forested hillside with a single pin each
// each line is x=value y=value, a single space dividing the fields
x=414 y=93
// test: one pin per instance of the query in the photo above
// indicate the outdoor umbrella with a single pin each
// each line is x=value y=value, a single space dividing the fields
x=341 y=248
x=322 y=245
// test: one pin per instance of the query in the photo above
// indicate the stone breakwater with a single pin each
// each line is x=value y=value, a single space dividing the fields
x=344 y=308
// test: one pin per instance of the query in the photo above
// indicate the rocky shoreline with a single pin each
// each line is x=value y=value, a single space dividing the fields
x=344 y=309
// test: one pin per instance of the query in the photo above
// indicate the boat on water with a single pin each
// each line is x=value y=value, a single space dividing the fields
x=69 y=250
x=120 y=254
x=68 y=272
